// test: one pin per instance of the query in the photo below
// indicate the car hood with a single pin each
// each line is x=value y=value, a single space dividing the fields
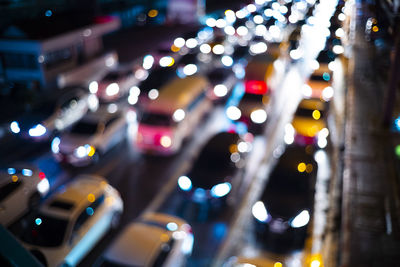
x=27 y=121
x=286 y=206
x=207 y=179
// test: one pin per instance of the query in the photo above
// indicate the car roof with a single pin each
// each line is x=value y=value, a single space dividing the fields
x=101 y=115
x=178 y=93
x=76 y=193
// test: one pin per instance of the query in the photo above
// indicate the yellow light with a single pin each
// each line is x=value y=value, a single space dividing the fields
x=152 y=13
x=91 y=198
x=315 y=263
x=92 y=150
x=316 y=114
x=309 y=168
x=164 y=238
x=14 y=178
x=277 y=264
x=301 y=167
x=166 y=141
x=375 y=28
x=233 y=148
x=174 y=48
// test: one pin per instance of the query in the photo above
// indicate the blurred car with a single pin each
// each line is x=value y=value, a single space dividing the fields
x=216 y=173
x=375 y=31
x=308 y=126
x=251 y=111
x=240 y=53
x=319 y=85
x=284 y=209
x=54 y=114
x=156 y=239
x=324 y=58
x=92 y=136
x=222 y=81
x=114 y=85
x=21 y=188
x=69 y=223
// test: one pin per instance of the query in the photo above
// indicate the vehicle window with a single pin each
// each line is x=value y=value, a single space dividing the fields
x=85 y=128
x=218 y=75
x=252 y=98
x=320 y=77
x=61 y=205
x=164 y=252
x=9 y=188
x=109 y=263
x=41 y=230
x=88 y=212
x=304 y=112
x=112 y=76
x=156 y=119
x=196 y=101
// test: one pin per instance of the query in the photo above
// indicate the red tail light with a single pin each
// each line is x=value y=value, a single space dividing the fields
x=42 y=175
x=256 y=87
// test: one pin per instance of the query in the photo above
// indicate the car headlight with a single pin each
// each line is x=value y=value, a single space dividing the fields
x=327 y=93
x=43 y=186
x=166 y=141
x=55 y=145
x=289 y=134
x=221 y=190
x=233 y=113
x=112 y=89
x=37 y=130
x=84 y=151
x=258 y=116
x=14 y=127
x=184 y=183
x=301 y=219
x=220 y=90
x=93 y=87
x=260 y=212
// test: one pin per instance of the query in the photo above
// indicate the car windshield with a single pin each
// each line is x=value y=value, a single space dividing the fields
x=156 y=119
x=157 y=78
x=112 y=76
x=217 y=75
x=41 y=230
x=84 y=128
x=305 y=112
x=252 y=98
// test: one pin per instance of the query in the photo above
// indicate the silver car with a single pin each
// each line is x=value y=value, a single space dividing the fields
x=92 y=136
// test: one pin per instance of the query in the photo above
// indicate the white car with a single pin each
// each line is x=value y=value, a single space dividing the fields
x=69 y=223
x=156 y=239
x=20 y=190
x=54 y=114
x=93 y=135
x=114 y=85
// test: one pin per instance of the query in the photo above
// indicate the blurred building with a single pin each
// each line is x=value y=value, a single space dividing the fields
x=38 y=51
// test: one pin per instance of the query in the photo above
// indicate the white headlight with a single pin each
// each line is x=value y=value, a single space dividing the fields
x=306 y=90
x=184 y=183
x=327 y=93
x=179 y=42
x=258 y=48
x=259 y=211
x=242 y=31
x=190 y=69
x=55 y=145
x=191 y=43
x=93 y=87
x=205 y=48
x=301 y=219
x=218 y=49
x=43 y=186
x=227 y=61
x=221 y=190
x=148 y=62
x=14 y=126
x=37 y=130
x=258 y=116
x=229 y=30
x=153 y=94
x=220 y=90
x=178 y=115
x=112 y=89
x=166 y=141
x=233 y=113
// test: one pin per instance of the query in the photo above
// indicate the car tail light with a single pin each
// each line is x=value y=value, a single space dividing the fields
x=256 y=87
x=42 y=175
